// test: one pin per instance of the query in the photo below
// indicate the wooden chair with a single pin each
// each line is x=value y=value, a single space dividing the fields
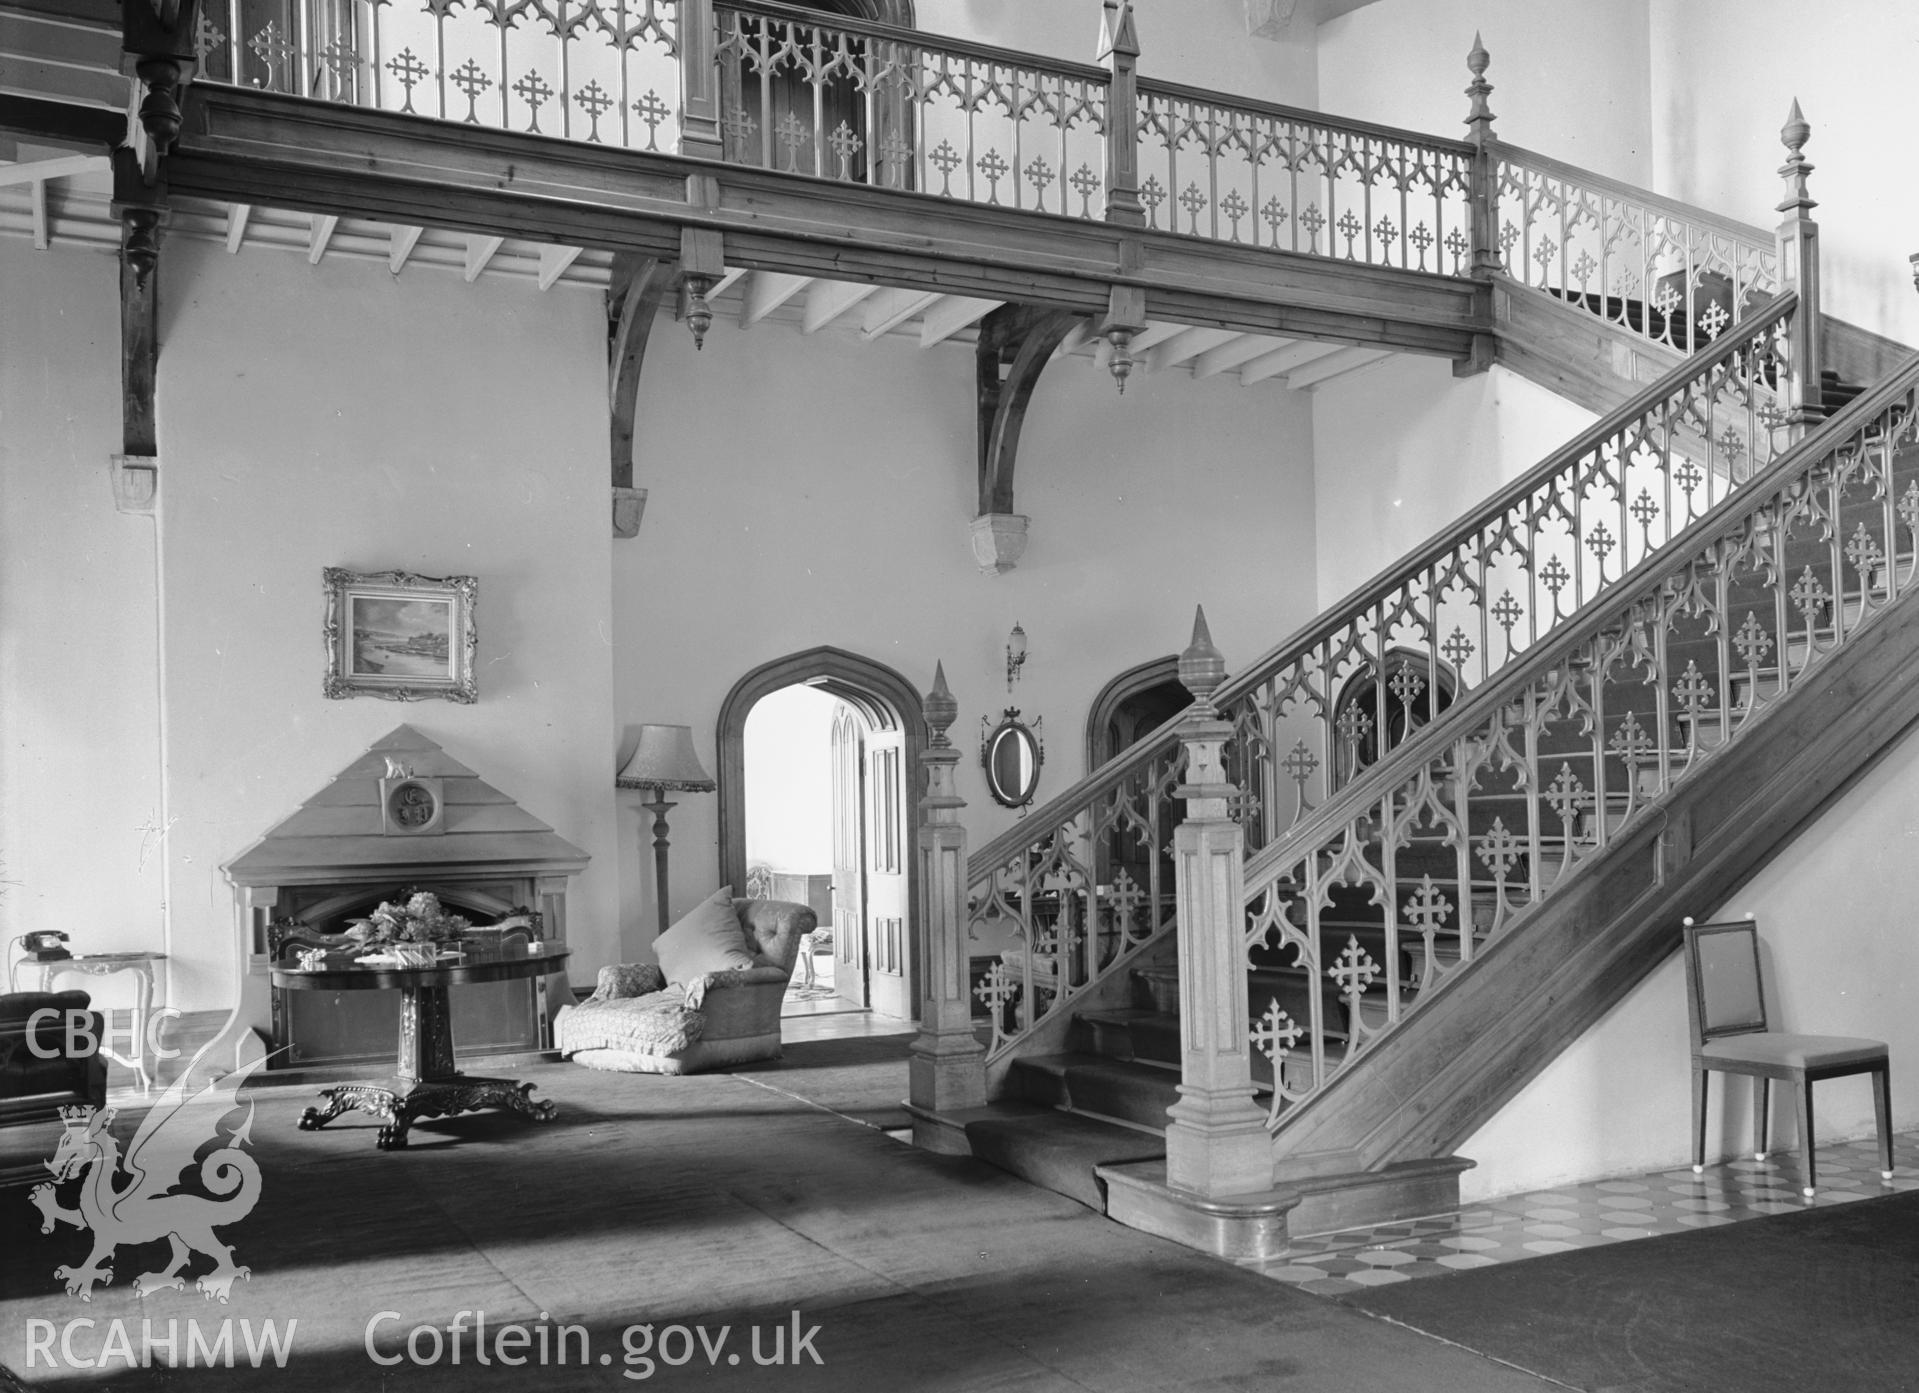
x=1725 y=999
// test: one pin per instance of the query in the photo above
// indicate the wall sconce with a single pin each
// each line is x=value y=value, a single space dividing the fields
x=1015 y=654
x=663 y=762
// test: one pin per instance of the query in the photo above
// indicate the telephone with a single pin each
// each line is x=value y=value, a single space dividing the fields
x=49 y=946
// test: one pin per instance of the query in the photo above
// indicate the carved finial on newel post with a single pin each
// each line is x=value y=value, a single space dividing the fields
x=1483 y=192
x=1479 y=120
x=1798 y=245
x=946 y=1065
x=1216 y=1141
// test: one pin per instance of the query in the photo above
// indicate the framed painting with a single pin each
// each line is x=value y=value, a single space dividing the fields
x=400 y=636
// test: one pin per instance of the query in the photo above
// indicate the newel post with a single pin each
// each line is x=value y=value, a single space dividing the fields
x=1119 y=52
x=1485 y=184
x=699 y=82
x=946 y=1066
x=1799 y=268
x=1216 y=1143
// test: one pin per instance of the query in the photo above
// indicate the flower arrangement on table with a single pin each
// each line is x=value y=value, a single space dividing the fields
x=412 y=933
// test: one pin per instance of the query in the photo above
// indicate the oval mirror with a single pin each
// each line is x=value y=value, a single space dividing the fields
x=1011 y=754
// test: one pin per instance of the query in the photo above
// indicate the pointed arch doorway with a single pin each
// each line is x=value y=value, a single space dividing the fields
x=873 y=745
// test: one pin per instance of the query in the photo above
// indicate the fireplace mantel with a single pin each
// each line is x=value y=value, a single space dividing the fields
x=403 y=815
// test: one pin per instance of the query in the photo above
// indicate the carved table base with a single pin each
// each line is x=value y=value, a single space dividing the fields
x=400 y=1102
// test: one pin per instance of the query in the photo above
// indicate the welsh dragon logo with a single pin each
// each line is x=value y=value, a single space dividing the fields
x=132 y=1202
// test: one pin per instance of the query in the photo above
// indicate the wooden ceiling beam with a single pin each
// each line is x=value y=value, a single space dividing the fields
x=238 y=215
x=1187 y=344
x=1332 y=365
x=766 y=292
x=42 y=224
x=401 y=241
x=1233 y=352
x=554 y=260
x=1282 y=360
x=828 y=300
x=889 y=309
x=319 y=232
x=63 y=167
x=952 y=314
x=480 y=251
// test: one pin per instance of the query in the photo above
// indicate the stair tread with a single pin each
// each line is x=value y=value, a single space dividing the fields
x=1056 y=1150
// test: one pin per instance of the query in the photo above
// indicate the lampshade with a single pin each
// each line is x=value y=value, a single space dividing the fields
x=665 y=759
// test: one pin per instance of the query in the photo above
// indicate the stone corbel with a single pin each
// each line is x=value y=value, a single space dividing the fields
x=136 y=482
x=1269 y=19
x=1015 y=344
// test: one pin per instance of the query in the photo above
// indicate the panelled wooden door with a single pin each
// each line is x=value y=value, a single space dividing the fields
x=887 y=918
x=849 y=874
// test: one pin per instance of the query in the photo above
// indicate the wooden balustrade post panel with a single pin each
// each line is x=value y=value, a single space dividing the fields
x=1119 y=52
x=699 y=82
x=946 y=1065
x=1216 y=1143
x=1799 y=269
x=1216 y=1138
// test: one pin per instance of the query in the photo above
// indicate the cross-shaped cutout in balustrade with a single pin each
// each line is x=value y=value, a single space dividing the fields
x=471 y=79
x=1152 y=193
x=1313 y=221
x=895 y=153
x=410 y=71
x=1630 y=741
x=1544 y=254
x=1583 y=270
x=1274 y=215
x=1862 y=549
x=1555 y=575
x=651 y=110
x=1645 y=509
x=1353 y=726
x=1243 y=805
x=1809 y=593
x=1274 y=1032
x=1040 y=175
x=1235 y=208
x=1732 y=448
x=1125 y=897
x=1689 y=477
x=1457 y=648
x=995 y=990
x=1909 y=507
x=845 y=144
x=1350 y=227
x=1695 y=693
x=1567 y=796
x=341 y=60
x=1457 y=247
x=1354 y=971
x=1085 y=183
x=738 y=128
x=1406 y=684
x=275 y=51
x=994 y=167
x=1508 y=235
x=1385 y=237
x=1299 y=764
x=1194 y=202
x=1600 y=543
x=1714 y=320
x=1422 y=239
x=594 y=101
x=1499 y=850
x=792 y=135
x=1506 y=613
x=1667 y=300
x=208 y=38
x=1427 y=907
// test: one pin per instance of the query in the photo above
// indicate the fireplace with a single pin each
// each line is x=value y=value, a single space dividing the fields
x=405 y=816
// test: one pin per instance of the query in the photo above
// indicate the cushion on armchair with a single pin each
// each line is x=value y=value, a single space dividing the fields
x=709 y=939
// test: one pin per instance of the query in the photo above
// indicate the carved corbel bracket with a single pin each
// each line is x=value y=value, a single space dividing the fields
x=636 y=288
x=136 y=482
x=999 y=541
x=142 y=211
x=1015 y=344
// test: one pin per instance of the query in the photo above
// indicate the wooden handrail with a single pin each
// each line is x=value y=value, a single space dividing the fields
x=1758 y=237
x=914 y=38
x=1303 y=116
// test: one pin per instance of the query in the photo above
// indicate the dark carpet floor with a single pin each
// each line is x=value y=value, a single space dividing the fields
x=654 y=1212
x=1824 y=1301
x=863 y=1077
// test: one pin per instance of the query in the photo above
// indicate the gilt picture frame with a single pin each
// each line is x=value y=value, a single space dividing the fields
x=400 y=636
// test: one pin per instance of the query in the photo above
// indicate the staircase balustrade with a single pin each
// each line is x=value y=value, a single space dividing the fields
x=1374 y=901
x=1669 y=273
x=1084 y=883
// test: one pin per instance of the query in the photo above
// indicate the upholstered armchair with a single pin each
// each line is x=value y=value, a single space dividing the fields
x=721 y=1009
x=37 y=1076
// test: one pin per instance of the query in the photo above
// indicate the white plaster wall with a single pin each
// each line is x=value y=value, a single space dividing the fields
x=789 y=780
x=1569 y=77
x=1724 y=76
x=1834 y=921
x=79 y=688
x=1203 y=43
x=340 y=416
x=809 y=491
x=1388 y=478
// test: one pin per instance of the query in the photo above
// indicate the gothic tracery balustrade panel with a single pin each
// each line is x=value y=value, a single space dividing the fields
x=897 y=109
x=1297 y=181
x=601 y=71
x=1447 y=619
x=1668 y=273
x=1378 y=898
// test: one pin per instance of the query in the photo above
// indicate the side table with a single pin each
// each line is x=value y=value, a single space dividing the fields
x=126 y=985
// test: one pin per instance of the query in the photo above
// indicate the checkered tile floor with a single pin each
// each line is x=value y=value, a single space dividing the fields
x=1587 y=1216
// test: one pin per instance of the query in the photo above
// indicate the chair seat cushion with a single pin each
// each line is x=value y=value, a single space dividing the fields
x=1776 y=1047
x=658 y=1023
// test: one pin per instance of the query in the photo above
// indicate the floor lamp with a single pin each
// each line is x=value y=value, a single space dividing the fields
x=663 y=762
